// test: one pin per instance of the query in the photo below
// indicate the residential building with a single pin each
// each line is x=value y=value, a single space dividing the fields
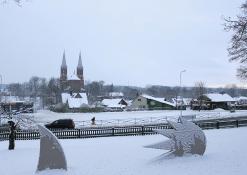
x=75 y=100
x=215 y=100
x=151 y=103
x=114 y=104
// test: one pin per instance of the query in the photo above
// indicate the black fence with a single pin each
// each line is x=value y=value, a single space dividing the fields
x=91 y=132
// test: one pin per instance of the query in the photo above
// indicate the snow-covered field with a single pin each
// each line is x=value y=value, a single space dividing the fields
x=131 y=117
x=225 y=155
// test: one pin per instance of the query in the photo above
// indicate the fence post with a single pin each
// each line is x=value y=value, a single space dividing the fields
x=112 y=131
x=218 y=125
x=79 y=133
x=143 y=130
x=237 y=123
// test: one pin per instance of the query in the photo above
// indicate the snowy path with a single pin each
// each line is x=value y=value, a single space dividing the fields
x=225 y=155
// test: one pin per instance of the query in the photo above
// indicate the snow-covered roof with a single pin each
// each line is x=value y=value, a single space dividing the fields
x=116 y=94
x=241 y=98
x=74 y=102
x=15 y=99
x=220 y=97
x=161 y=100
x=112 y=103
x=129 y=102
x=73 y=77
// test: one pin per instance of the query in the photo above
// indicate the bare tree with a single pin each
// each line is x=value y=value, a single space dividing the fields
x=33 y=85
x=238 y=48
x=232 y=90
x=54 y=90
x=15 y=89
x=199 y=91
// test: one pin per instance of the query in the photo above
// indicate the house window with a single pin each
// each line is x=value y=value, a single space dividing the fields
x=139 y=99
x=152 y=103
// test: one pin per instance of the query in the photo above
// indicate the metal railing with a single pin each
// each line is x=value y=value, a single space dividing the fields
x=122 y=122
x=90 y=132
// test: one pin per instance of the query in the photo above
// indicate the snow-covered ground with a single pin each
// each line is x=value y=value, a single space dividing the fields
x=225 y=155
x=108 y=118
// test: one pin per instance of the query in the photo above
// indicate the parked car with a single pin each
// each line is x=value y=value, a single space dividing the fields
x=62 y=124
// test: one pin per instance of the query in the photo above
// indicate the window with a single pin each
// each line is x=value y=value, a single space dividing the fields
x=139 y=99
x=152 y=103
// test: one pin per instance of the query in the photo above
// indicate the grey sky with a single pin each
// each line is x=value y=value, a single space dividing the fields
x=131 y=42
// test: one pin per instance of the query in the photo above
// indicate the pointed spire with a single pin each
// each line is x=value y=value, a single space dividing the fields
x=64 y=65
x=79 y=62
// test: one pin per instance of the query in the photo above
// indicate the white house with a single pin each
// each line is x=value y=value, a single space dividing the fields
x=215 y=97
x=116 y=103
x=216 y=100
x=75 y=100
x=149 y=102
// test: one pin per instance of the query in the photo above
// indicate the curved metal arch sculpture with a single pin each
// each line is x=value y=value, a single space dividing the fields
x=184 y=138
x=51 y=154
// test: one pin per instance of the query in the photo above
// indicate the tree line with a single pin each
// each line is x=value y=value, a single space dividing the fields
x=50 y=93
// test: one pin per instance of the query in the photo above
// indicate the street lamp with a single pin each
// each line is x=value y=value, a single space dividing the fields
x=181 y=77
x=180 y=81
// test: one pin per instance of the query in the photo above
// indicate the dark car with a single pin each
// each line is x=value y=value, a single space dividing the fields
x=62 y=124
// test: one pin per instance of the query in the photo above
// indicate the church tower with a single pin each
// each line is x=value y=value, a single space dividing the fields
x=79 y=70
x=63 y=70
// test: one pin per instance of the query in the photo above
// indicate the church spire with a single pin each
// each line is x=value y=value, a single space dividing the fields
x=64 y=65
x=80 y=62
x=63 y=71
x=80 y=70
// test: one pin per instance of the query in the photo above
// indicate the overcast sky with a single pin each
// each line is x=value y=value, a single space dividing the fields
x=124 y=42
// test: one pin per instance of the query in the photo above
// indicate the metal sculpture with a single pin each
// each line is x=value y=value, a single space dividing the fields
x=184 y=138
x=51 y=152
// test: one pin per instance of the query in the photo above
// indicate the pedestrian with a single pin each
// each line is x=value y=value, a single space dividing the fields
x=93 y=121
x=12 y=129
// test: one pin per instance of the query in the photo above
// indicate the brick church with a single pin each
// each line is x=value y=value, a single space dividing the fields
x=73 y=91
x=75 y=82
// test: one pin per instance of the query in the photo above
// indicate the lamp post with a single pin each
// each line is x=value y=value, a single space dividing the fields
x=180 y=81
